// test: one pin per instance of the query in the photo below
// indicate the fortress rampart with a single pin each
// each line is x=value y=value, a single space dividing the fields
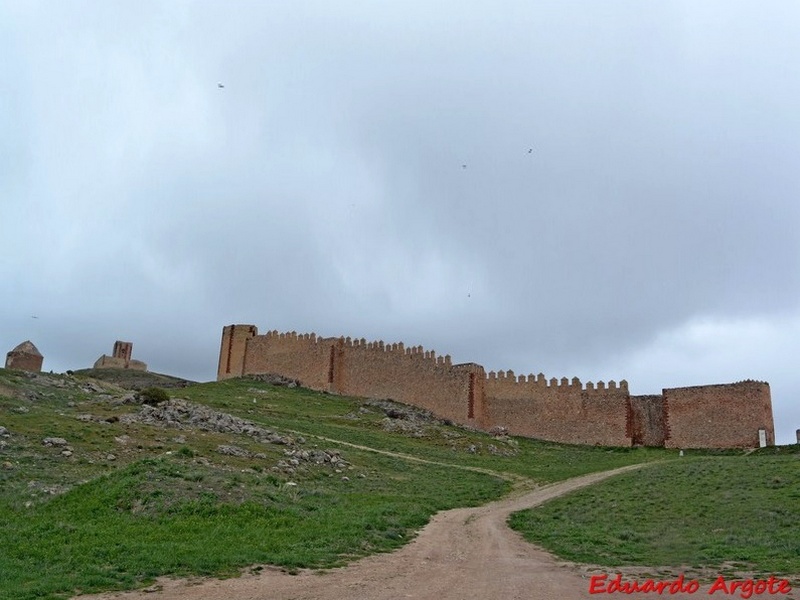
x=559 y=410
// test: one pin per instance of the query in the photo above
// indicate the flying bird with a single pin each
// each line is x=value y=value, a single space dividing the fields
x=34 y=317
x=220 y=86
x=463 y=166
x=530 y=150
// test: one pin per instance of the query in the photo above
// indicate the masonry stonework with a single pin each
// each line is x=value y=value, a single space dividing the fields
x=716 y=416
x=729 y=414
x=25 y=357
x=120 y=358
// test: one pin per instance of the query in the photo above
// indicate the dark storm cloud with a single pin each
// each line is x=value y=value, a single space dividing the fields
x=578 y=189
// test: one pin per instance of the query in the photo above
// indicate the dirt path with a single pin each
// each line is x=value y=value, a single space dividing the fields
x=462 y=554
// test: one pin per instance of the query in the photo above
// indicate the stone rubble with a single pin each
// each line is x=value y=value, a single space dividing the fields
x=183 y=414
x=54 y=441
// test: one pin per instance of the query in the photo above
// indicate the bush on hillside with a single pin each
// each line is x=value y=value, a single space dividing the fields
x=153 y=396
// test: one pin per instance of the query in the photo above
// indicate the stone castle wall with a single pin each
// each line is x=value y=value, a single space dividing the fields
x=556 y=410
x=647 y=420
x=730 y=415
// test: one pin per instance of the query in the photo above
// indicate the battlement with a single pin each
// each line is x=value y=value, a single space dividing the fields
x=540 y=381
x=397 y=348
x=555 y=409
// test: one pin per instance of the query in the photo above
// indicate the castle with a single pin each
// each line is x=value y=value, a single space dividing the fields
x=120 y=358
x=734 y=415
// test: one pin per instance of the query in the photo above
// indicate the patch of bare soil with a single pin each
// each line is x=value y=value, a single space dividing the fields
x=462 y=554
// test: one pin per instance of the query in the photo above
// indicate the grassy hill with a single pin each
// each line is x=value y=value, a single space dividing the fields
x=99 y=491
x=132 y=379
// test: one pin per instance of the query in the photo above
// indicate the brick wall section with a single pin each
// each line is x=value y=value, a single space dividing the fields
x=719 y=416
x=302 y=357
x=24 y=361
x=563 y=410
x=359 y=368
x=559 y=411
x=647 y=418
x=411 y=375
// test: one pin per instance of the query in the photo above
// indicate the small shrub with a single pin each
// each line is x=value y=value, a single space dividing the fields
x=185 y=451
x=153 y=396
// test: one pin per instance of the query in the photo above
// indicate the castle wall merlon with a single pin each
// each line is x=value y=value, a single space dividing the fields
x=561 y=410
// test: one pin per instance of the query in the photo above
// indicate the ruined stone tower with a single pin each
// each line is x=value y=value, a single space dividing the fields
x=25 y=357
x=121 y=358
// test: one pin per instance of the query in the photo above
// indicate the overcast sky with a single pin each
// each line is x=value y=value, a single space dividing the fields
x=605 y=190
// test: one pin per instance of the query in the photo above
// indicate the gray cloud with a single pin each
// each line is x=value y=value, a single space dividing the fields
x=322 y=187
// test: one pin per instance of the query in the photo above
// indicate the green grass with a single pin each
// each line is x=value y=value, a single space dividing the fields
x=718 y=512
x=156 y=516
x=135 y=501
x=339 y=417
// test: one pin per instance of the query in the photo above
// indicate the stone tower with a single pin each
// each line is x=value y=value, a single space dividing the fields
x=120 y=359
x=232 y=350
x=25 y=357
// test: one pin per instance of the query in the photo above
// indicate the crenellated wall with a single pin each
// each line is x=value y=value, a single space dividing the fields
x=406 y=374
x=559 y=410
x=300 y=357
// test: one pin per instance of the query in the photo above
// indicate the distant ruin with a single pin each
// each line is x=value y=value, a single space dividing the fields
x=25 y=357
x=120 y=359
x=734 y=415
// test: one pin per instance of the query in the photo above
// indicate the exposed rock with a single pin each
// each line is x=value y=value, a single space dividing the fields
x=131 y=398
x=413 y=428
x=275 y=379
x=4 y=432
x=233 y=450
x=54 y=441
x=92 y=387
x=182 y=414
